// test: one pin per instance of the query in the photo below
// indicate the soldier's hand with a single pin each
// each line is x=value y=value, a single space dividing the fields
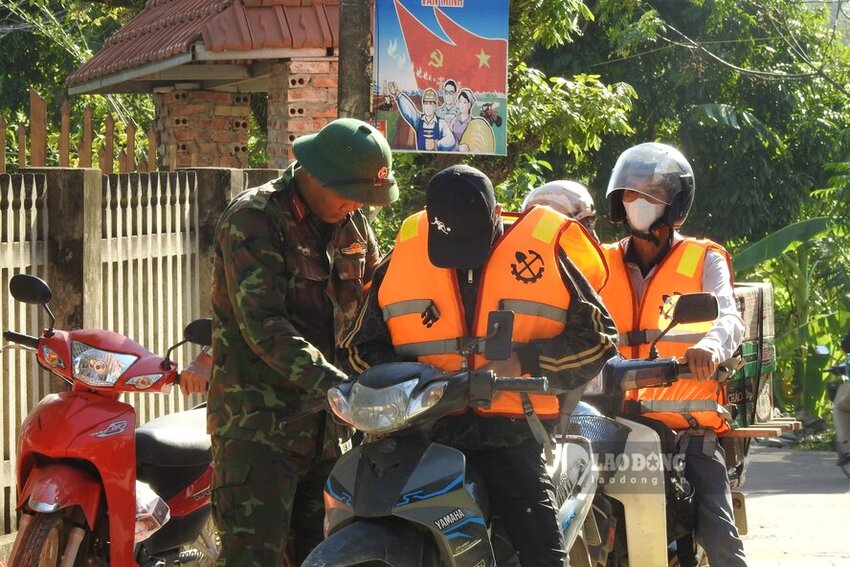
x=702 y=362
x=196 y=376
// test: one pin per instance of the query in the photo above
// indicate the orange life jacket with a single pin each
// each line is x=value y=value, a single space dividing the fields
x=581 y=248
x=424 y=312
x=687 y=403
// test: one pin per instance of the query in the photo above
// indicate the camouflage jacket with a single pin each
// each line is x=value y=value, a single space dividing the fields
x=285 y=285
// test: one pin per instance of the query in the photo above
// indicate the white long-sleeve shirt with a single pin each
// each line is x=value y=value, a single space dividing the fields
x=727 y=332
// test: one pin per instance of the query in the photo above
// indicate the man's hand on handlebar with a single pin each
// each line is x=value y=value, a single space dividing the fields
x=702 y=362
x=195 y=377
x=510 y=367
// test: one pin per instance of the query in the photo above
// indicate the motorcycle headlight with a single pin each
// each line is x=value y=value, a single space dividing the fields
x=339 y=405
x=595 y=387
x=386 y=409
x=98 y=367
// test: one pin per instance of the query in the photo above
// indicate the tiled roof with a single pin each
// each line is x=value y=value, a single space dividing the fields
x=167 y=28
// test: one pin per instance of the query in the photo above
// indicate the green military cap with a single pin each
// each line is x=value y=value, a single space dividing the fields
x=351 y=158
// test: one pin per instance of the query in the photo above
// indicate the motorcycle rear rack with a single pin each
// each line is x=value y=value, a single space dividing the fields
x=773 y=428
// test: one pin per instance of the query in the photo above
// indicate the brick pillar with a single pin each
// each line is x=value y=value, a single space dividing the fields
x=202 y=128
x=302 y=99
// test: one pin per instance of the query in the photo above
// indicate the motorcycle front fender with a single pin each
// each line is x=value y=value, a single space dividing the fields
x=56 y=486
x=391 y=542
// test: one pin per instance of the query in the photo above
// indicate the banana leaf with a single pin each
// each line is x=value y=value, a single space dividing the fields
x=775 y=244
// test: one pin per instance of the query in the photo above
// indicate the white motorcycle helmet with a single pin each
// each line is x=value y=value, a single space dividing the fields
x=567 y=197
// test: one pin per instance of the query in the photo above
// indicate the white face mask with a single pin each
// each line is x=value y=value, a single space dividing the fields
x=641 y=213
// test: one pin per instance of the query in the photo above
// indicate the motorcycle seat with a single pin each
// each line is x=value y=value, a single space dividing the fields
x=174 y=440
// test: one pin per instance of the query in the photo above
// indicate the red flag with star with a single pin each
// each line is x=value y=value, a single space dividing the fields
x=476 y=62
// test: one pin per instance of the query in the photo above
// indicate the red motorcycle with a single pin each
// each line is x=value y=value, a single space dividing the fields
x=93 y=489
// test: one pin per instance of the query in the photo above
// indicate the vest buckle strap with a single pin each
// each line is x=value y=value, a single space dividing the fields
x=538 y=431
x=636 y=337
x=469 y=345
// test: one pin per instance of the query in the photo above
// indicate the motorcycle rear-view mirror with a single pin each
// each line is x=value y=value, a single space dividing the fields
x=199 y=332
x=500 y=328
x=683 y=309
x=35 y=291
x=29 y=289
x=694 y=307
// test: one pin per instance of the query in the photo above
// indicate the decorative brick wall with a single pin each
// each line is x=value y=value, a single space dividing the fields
x=302 y=99
x=202 y=128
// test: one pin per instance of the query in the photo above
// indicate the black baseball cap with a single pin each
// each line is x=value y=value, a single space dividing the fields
x=462 y=219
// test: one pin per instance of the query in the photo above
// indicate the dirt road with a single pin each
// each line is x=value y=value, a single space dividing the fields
x=798 y=509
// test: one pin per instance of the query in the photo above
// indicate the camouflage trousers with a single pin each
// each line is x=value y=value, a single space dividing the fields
x=262 y=498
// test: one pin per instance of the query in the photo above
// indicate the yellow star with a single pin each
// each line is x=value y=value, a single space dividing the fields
x=483 y=59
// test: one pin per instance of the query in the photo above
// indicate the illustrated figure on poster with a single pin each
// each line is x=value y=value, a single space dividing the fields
x=465 y=100
x=449 y=110
x=472 y=134
x=488 y=112
x=432 y=133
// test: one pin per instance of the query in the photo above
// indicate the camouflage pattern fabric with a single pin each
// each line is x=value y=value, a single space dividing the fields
x=261 y=498
x=284 y=286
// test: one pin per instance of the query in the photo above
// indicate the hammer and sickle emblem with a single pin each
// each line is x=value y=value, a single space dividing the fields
x=524 y=269
x=436 y=58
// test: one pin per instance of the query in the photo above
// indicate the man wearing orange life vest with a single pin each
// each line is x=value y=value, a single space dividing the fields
x=650 y=192
x=454 y=263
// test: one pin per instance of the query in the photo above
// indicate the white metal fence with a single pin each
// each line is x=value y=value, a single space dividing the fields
x=23 y=236
x=150 y=288
x=151 y=269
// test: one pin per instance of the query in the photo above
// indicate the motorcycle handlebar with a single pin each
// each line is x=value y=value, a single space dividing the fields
x=21 y=339
x=527 y=384
x=630 y=374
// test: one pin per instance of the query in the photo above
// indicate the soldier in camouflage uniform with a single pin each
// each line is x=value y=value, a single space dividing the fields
x=291 y=260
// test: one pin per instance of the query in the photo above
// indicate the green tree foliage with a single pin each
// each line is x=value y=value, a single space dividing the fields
x=42 y=42
x=753 y=91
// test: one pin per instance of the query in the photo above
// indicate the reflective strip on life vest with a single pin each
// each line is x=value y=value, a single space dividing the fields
x=680 y=406
x=446 y=346
x=407 y=307
x=646 y=336
x=428 y=348
x=535 y=309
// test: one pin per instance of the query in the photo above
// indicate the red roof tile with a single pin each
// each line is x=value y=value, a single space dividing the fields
x=166 y=28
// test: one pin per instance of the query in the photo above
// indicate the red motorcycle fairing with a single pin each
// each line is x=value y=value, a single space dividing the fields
x=85 y=426
x=61 y=485
x=193 y=497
